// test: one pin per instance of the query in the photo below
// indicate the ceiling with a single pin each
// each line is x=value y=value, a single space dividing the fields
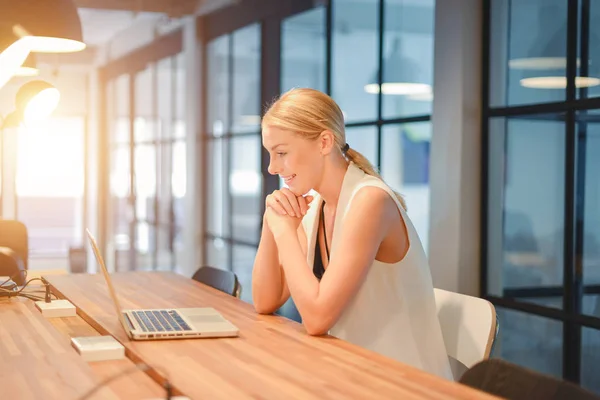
x=102 y=20
x=172 y=8
x=100 y=26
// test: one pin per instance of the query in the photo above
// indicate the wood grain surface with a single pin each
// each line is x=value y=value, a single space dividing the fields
x=273 y=358
x=133 y=385
x=36 y=360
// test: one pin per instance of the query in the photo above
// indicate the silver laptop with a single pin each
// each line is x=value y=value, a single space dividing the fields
x=180 y=323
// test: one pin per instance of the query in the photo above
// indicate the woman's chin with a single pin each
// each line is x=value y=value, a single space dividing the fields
x=297 y=190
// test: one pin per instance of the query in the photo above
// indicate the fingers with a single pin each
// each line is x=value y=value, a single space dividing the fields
x=285 y=202
x=280 y=202
x=293 y=202
x=274 y=204
x=304 y=202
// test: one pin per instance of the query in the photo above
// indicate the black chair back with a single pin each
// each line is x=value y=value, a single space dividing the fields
x=14 y=257
x=225 y=281
x=510 y=381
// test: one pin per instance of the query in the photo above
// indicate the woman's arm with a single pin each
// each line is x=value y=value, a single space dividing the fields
x=269 y=289
x=321 y=303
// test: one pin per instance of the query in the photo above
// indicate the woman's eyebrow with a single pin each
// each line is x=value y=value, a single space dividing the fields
x=276 y=146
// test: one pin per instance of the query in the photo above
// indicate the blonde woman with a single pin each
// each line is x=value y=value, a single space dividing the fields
x=349 y=257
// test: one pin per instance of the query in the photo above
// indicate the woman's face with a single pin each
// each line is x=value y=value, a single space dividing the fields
x=298 y=161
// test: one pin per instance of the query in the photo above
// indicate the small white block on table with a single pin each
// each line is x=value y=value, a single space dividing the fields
x=98 y=348
x=56 y=308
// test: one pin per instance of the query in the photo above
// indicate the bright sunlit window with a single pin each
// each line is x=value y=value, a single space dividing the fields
x=50 y=183
x=50 y=158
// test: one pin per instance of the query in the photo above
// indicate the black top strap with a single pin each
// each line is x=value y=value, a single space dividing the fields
x=318 y=267
x=324 y=230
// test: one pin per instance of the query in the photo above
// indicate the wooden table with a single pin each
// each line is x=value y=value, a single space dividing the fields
x=38 y=362
x=134 y=385
x=272 y=359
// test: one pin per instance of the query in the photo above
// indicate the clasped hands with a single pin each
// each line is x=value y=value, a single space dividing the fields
x=284 y=211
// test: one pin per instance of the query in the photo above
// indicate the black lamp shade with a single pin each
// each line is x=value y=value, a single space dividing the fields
x=47 y=19
x=7 y=36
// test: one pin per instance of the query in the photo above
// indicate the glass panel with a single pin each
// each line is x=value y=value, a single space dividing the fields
x=243 y=261
x=591 y=221
x=144 y=124
x=145 y=246
x=590 y=359
x=178 y=182
x=217 y=253
x=49 y=184
x=528 y=51
x=530 y=178
x=407 y=58
x=165 y=99
x=164 y=259
x=364 y=140
x=119 y=189
x=355 y=37
x=245 y=187
x=145 y=182
x=123 y=260
x=218 y=199
x=530 y=341
x=218 y=85
x=118 y=107
x=163 y=182
x=590 y=87
x=405 y=151
x=303 y=50
x=246 y=79
x=180 y=96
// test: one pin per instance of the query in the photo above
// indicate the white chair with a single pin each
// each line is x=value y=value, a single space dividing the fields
x=469 y=327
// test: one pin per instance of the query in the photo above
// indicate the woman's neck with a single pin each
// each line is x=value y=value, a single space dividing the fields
x=331 y=184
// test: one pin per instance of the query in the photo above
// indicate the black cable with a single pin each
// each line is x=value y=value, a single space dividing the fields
x=12 y=293
x=14 y=276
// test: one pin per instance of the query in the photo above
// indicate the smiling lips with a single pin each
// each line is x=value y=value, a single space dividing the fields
x=288 y=179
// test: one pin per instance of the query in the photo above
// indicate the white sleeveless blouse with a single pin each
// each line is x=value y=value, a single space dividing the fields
x=394 y=312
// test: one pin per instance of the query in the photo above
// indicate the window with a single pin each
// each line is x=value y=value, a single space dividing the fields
x=540 y=142
x=344 y=49
x=233 y=149
x=391 y=126
x=49 y=184
x=146 y=119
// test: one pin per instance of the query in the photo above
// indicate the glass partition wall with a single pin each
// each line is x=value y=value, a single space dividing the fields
x=145 y=113
x=541 y=147
x=346 y=48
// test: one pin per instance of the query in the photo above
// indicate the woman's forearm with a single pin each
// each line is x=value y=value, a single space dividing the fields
x=302 y=284
x=267 y=279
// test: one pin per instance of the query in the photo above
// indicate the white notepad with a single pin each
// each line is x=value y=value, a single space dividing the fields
x=98 y=348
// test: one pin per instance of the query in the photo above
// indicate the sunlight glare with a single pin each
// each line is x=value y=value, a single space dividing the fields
x=41 y=105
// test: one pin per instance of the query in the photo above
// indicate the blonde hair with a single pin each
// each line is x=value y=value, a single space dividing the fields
x=309 y=112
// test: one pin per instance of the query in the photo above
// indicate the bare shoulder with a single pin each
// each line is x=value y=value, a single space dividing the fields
x=373 y=201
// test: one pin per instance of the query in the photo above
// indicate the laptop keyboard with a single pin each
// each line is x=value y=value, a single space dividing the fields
x=161 y=321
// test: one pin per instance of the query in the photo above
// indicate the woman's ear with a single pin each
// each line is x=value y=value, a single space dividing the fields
x=327 y=141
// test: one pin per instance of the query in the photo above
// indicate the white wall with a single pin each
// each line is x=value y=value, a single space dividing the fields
x=193 y=240
x=456 y=147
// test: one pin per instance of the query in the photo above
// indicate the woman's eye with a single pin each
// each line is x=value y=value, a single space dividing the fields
x=281 y=154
